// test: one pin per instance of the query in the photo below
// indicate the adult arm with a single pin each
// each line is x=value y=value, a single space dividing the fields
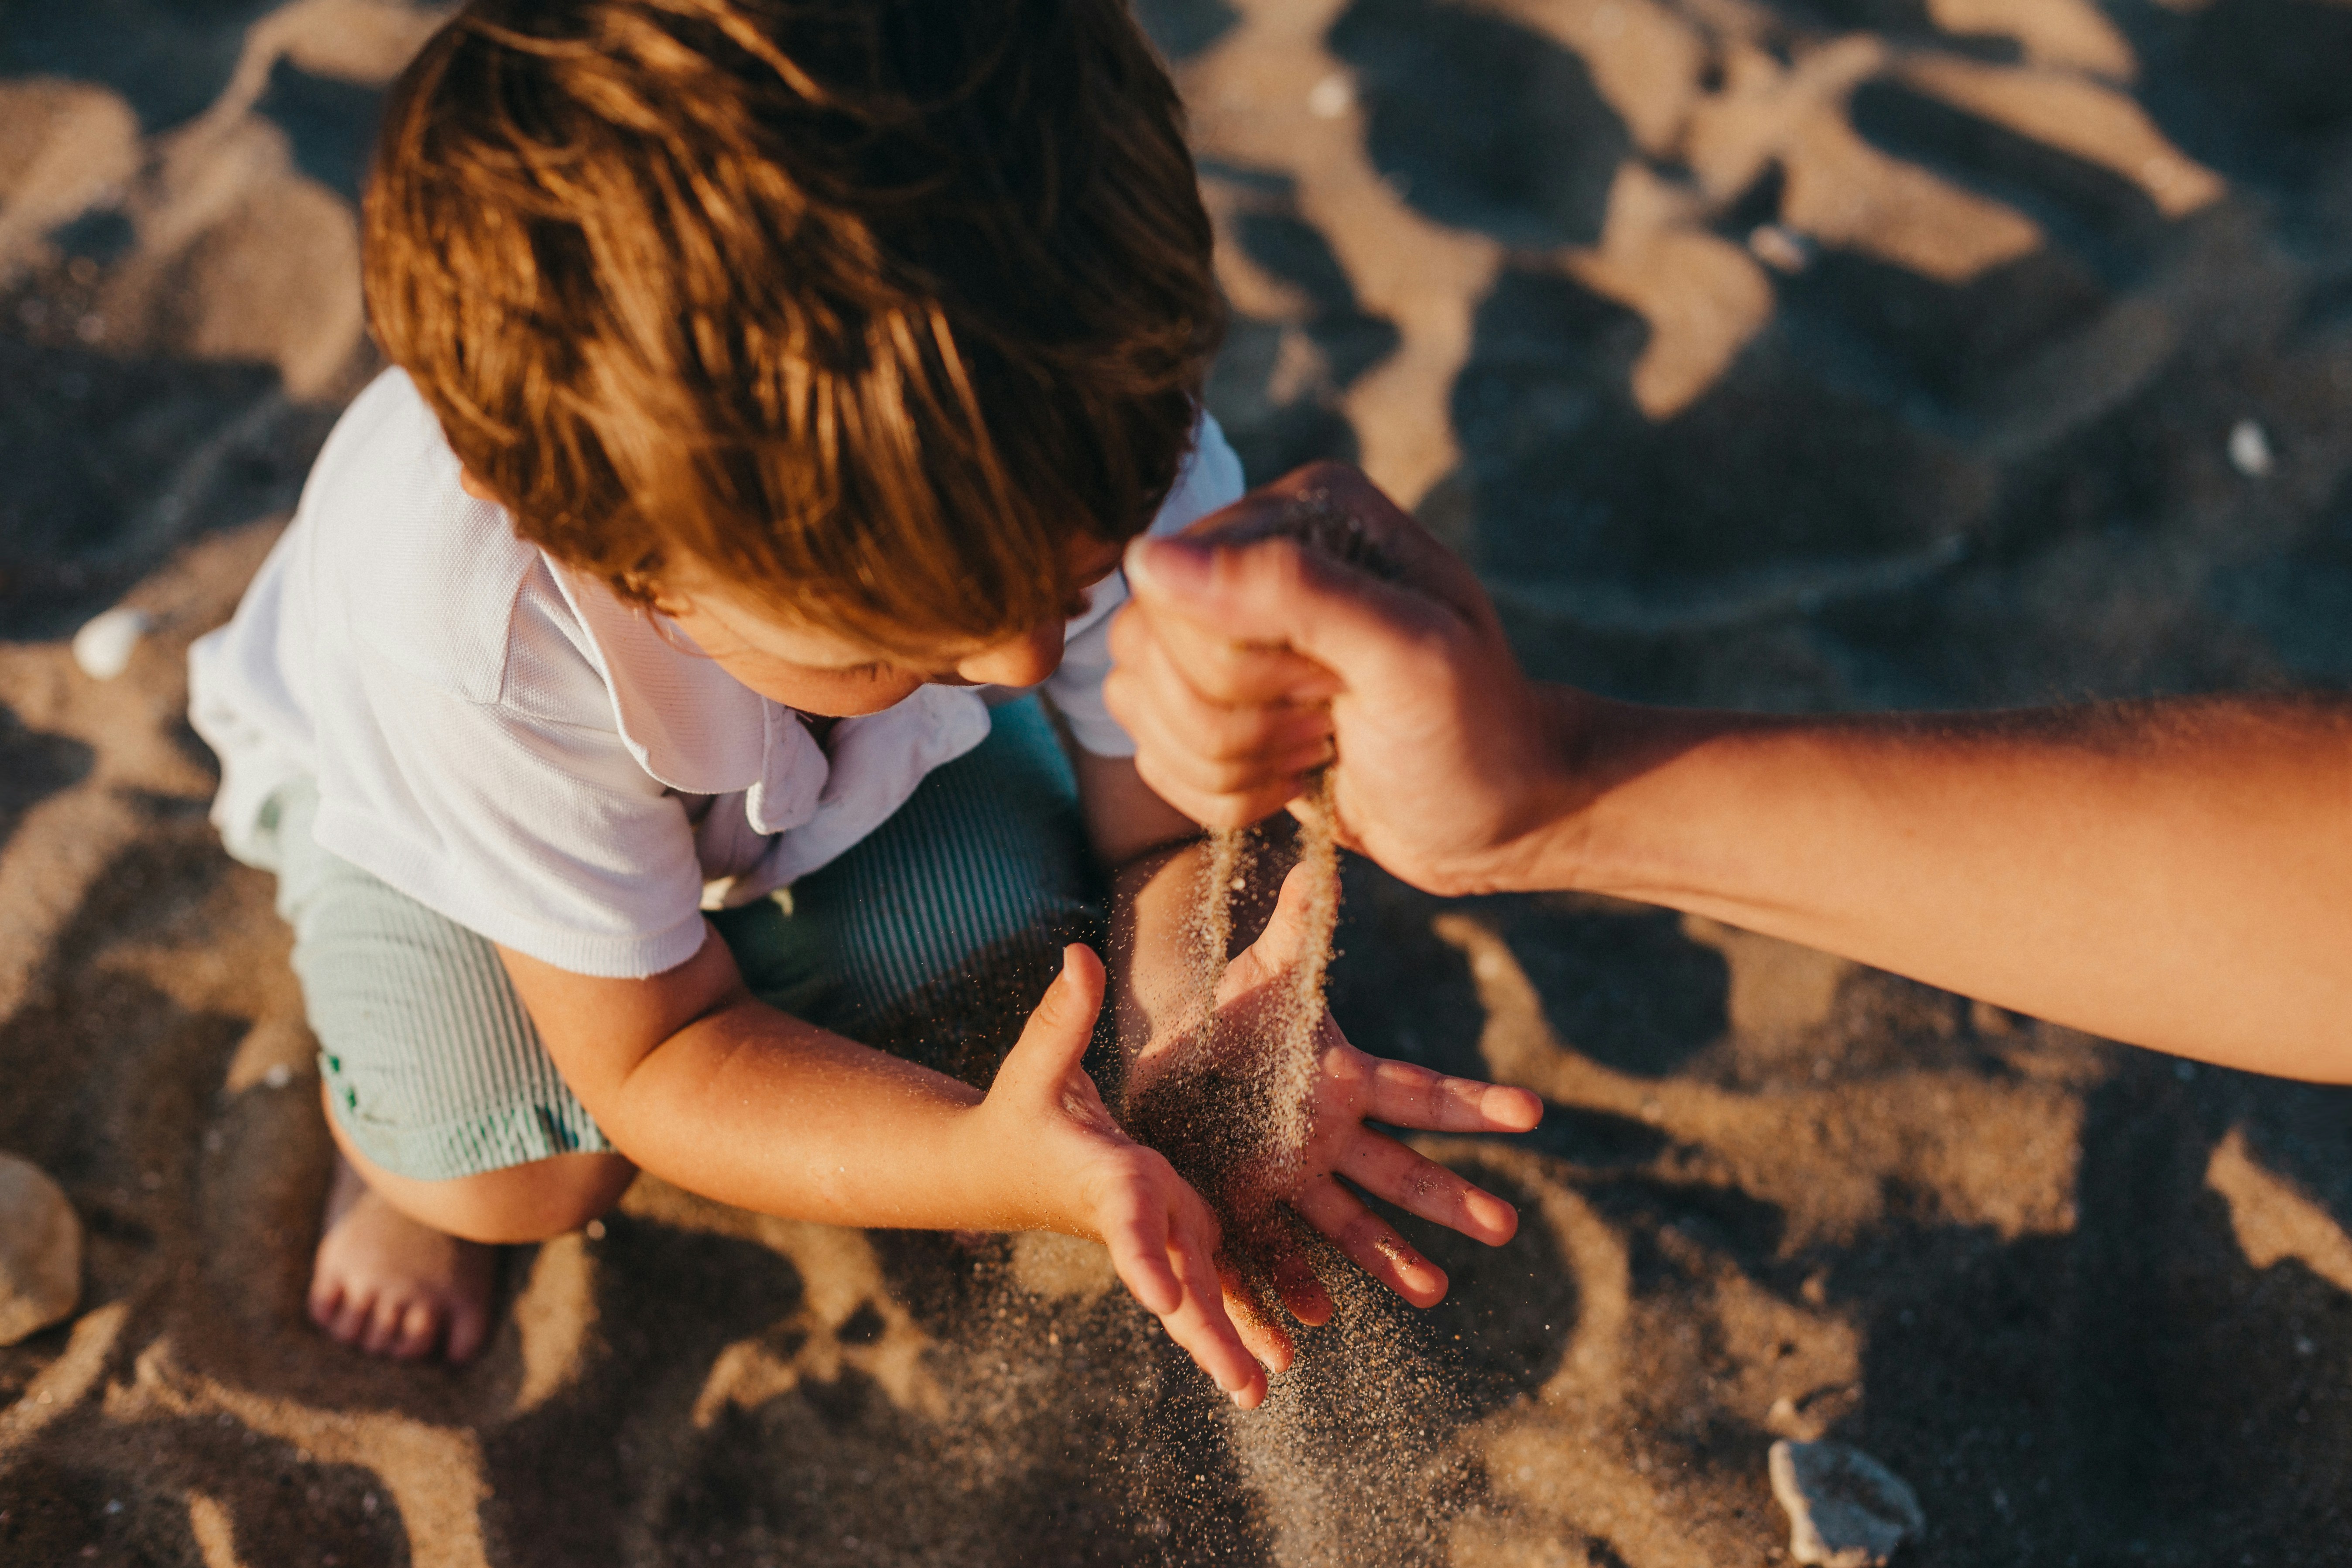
x=2175 y=874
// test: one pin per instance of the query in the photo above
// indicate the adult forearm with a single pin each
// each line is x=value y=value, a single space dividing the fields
x=2177 y=874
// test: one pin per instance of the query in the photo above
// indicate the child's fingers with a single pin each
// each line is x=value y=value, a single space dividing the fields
x=1279 y=945
x=1295 y=1282
x=1403 y=1095
x=1261 y=1330
x=1136 y=1231
x=1369 y=1240
x=1058 y=1031
x=1202 y=1327
x=1420 y=1185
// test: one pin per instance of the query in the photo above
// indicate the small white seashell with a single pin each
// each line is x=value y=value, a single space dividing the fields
x=104 y=645
x=2250 y=450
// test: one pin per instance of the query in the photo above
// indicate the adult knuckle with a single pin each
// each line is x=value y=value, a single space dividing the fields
x=1236 y=778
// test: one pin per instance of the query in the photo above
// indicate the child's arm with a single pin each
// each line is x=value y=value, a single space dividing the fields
x=1156 y=857
x=706 y=1087
x=2174 y=874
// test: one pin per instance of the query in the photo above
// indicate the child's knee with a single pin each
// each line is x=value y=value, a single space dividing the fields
x=527 y=1203
x=533 y=1203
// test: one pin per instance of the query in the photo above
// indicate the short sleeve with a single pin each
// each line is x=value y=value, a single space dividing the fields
x=1210 y=479
x=530 y=824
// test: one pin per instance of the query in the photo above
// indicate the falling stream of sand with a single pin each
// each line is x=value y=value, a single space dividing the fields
x=1347 y=1459
x=1282 y=1050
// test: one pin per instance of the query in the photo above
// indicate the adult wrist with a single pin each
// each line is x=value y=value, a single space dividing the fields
x=1584 y=822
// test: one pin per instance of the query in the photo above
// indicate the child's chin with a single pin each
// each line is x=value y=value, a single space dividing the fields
x=857 y=708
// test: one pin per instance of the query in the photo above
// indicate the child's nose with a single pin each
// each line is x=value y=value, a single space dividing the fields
x=1019 y=661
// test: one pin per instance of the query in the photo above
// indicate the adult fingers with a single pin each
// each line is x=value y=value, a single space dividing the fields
x=1209 y=748
x=1212 y=603
x=1241 y=809
x=1149 y=681
x=1403 y=1095
x=1220 y=664
x=1336 y=506
x=1420 y=1185
x=1370 y=1241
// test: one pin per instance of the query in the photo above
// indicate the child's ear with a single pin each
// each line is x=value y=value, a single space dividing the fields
x=472 y=486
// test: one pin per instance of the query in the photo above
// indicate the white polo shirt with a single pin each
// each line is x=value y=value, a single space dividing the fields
x=501 y=739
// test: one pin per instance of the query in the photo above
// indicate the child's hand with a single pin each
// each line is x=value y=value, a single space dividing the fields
x=1173 y=1084
x=1068 y=1166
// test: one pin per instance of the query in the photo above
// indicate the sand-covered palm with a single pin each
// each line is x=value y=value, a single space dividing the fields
x=1274 y=1119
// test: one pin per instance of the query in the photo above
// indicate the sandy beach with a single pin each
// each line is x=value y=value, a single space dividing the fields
x=1832 y=355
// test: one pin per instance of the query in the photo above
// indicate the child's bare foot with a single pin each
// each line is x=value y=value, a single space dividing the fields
x=393 y=1286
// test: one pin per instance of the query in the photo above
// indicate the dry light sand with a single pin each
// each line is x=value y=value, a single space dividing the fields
x=1832 y=355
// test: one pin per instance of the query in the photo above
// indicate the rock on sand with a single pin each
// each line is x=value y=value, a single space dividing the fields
x=1845 y=1509
x=40 y=1251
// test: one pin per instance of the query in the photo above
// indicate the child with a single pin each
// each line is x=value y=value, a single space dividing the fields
x=629 y=712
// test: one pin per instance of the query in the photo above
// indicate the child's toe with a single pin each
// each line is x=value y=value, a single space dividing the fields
x=384 y=1326
x=326 y=1302
x=469 y=1325
x=351 y=1316
x=419 y=1327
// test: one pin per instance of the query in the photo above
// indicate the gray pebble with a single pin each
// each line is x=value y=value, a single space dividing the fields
x=1845 y=1509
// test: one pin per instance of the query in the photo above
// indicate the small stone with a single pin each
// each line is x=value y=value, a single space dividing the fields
x=104 y=645
x=1845 y=1509
x=2250 y=449
x=40 y=1251
x=1332 y=96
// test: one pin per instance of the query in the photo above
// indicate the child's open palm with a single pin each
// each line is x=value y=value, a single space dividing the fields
x=1348 y=1090
x=1069 y=1167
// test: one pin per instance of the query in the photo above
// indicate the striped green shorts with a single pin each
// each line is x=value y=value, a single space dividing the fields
x=932 y=939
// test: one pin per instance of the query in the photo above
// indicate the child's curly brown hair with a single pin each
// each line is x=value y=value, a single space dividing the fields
x=867 y=305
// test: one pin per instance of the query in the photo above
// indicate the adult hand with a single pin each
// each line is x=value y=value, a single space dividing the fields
x=1045 y=1128
x=1246 y=659
x=1206 y=1094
